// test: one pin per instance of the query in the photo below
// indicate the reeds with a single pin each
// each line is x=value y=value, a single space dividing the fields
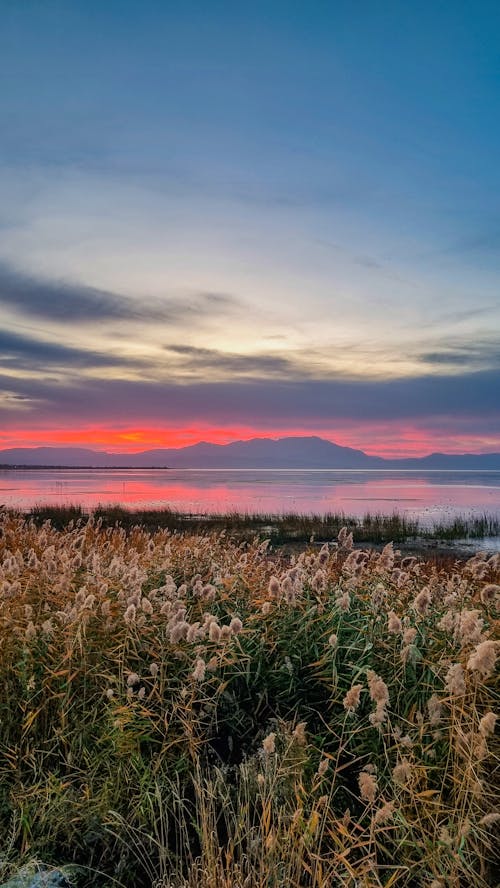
x=280 y=528
x=191 y=711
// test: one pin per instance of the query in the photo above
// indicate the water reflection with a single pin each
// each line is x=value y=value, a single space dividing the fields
x=428 y=495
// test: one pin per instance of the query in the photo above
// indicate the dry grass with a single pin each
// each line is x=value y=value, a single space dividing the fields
x=189 y=712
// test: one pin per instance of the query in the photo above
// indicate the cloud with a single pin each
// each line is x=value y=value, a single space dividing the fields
x=199 y=359
x=26 y=353
x=264 y=403
x=481 y=354
x=66 y=302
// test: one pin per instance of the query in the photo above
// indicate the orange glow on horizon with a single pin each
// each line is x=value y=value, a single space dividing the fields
x=386 y=439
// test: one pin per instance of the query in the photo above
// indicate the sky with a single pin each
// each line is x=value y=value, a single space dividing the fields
x=225 y=220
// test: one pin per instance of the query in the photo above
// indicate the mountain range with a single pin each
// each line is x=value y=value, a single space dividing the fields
x=259 y=453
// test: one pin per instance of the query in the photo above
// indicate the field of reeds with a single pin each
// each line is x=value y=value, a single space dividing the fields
x=185 y=710
x=281 y=528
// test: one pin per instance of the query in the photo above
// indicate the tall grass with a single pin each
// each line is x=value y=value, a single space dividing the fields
x=293 y=527
x=187 y=711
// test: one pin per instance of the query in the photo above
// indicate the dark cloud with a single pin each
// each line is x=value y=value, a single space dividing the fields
x=27 y=353
x=481 y=354
x=69 y=302
x=266 y=402
x=211 y=359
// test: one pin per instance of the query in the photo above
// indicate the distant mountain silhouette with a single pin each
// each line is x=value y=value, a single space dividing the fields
x=259 y=453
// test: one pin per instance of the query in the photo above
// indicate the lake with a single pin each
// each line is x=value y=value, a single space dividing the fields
x=430 y=496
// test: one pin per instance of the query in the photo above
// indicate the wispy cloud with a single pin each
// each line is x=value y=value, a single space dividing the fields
x=199 y=359
x=28 y=353
x=66 y=302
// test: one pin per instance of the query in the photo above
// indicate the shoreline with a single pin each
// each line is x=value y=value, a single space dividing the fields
x=460 y=538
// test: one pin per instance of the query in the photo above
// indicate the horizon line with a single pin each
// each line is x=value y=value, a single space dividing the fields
x=136 y=453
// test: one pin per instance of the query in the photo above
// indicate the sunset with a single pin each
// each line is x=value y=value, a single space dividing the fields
x=249 y=443
x=260 y=221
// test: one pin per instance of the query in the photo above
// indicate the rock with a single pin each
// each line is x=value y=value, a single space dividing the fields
x=41 y=878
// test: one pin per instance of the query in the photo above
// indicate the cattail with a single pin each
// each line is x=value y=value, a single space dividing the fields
x=268 y=743
x=483 y=658
x=487 y=724
x=146 y=606
x=367 y=787
x=299 y=734
x=110 y=693
x=214 y=633
x=455 y=680
x=225 y=632
x=141 y=693
x=352 y=698
x=199 y=670
x=333 y=640
x=153 y=668
x=266 y=607
x=393 y=623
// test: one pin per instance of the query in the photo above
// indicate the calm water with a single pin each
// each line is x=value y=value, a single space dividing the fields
x=430 y=496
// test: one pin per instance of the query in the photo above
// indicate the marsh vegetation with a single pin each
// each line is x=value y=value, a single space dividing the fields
x=192 y=710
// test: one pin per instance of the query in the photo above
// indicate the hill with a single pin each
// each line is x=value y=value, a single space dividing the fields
x=308 y=452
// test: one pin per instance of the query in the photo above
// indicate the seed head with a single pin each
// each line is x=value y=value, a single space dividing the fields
x=300 y=734
x=487 y=724
x=132 y=679
x=367 y=787
x=393 y=623
x=483 y=658
x=352 y=698
x=455 y=680
x=199 y=670
x=268 y=743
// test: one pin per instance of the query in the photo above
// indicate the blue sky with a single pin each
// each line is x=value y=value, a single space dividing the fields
x=250 y=197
